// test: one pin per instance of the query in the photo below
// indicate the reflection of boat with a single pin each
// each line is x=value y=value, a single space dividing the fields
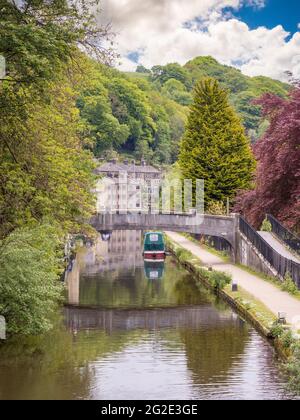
x=154 y=270
x=154 y=246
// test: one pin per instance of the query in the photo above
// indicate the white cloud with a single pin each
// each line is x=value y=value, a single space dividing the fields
x=165 y=31
x=259 y=4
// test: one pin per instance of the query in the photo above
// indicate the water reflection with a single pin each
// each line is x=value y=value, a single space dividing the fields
x=130 y=334
x=191 y=318
x=103 y=262
x=154 y=270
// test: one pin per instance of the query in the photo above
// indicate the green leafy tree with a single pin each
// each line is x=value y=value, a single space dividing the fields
x=131 y=107
x=176 y=91
x=163 y=142
x=266 y=226
x=143 y=69
x=170 y=119
x=243 y=89
x=162 y=74
x=29 y=279
x=214 y=147
x=38 y=37
x=104 y=129
x=44 y=171
x=227 y=76
x=250 y=113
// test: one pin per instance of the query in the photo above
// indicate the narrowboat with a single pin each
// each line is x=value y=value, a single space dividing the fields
x=154 y=246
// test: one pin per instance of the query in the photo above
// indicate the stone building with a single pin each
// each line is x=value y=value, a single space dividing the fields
x=127 y=186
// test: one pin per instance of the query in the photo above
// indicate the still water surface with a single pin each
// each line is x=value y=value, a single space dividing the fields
x=132 y=331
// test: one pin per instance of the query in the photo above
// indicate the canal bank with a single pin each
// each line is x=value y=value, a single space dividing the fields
x=245 y=304
x=274 y=299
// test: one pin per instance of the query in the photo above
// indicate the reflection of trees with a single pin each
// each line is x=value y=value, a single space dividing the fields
x=188 y=292
x=210 y=352
x=57 y=365
x=133 y=289
x=61 y=364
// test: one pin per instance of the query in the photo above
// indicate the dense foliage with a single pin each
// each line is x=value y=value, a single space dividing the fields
x=37 y=37
x=45 y=171
x=43 y=167
x=278 y=175
x=214 y=146
x=177 y=83
x=147 y=110
x=125 y=114
x=143 y=114
x=29 y=290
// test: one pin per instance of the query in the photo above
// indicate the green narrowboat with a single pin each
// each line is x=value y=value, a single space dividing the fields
x=154 y=246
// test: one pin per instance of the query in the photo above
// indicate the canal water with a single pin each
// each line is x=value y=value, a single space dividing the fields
x=134 y=330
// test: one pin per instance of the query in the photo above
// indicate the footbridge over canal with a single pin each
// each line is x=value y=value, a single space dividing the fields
x=248 y=246
x=222 y=226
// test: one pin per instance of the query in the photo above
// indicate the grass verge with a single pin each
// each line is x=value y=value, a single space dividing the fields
x=272 y=280
x=223 y=255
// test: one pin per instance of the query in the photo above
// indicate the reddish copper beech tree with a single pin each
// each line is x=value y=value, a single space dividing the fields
x=277 y=189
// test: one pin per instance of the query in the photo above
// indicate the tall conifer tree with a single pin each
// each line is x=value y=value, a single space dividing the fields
x=215 y=147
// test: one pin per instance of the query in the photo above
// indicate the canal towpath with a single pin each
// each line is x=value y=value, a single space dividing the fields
x=270 y=295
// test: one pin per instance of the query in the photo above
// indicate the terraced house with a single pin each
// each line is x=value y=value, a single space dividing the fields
x=126 y=186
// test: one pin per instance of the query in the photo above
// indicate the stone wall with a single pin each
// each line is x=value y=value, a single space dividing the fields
x=248 y=255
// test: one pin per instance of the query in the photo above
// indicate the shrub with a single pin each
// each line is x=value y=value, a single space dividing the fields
x=216 y=208
x=266 y=226
x=293 y=368
x=219 y=280
x=287 y=339
x=277 y=330
x=204 y=274
x=289 y=285
x=183 y=255
x=29 y=279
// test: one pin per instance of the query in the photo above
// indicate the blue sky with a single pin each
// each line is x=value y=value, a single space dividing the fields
x=275 y=12
x=260 y=37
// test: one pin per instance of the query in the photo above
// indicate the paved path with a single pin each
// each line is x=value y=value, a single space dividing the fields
x=275 y=299
x=278 y=246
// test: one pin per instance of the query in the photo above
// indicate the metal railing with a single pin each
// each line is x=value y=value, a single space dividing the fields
x=288 y=237
x=281 y=264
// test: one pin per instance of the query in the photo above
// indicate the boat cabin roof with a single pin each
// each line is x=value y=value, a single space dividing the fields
x=154 y=237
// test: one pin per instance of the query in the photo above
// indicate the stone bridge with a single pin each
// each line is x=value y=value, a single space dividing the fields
x=248 y=247
x=221 y=226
